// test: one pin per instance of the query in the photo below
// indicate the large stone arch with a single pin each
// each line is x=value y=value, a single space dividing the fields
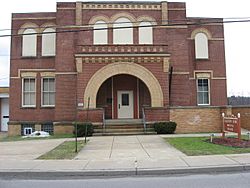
x=123 y=68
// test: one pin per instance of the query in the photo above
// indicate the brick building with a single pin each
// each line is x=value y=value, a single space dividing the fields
x=120 y=60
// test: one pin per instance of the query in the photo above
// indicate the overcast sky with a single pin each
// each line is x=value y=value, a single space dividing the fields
x=237 y=35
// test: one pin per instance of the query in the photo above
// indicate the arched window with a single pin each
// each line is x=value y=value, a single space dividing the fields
x=100 y=33
x=29 y=42
x=145 y=33
x=201 y=46
x=122 y=36
x=49 y=42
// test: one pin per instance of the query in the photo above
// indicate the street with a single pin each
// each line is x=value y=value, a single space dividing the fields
x=239 y=180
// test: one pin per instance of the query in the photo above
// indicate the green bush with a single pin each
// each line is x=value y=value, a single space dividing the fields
x=165 y=127
x=81 y=128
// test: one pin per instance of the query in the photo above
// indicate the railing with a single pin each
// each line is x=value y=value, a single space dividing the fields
x=133 y=48
x=144 y=120
x=103 y=121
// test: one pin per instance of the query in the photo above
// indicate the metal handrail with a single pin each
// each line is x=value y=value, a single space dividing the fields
x=103 y=121
x=144 y=120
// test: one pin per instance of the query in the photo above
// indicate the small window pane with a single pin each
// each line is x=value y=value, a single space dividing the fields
x=45 y=98
x=52 y=99
x=205 y=98
x=45 y=84
x=125 y=99
x=26 y=84
x=26 y=99
x=51 y=84
x=32 y=84
x=200 y=98
x=32 y=98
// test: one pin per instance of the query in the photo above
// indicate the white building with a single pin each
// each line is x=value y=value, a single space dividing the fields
x=4 y=108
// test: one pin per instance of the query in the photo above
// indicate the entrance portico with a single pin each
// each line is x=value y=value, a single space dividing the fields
x=122 y=89
x=123 y=68
x=123 y=97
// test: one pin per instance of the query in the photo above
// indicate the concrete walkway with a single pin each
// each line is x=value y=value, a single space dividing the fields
x=105 y=156
x=128 y=147
x=27 y=150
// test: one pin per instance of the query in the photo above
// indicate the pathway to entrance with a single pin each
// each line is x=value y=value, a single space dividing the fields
x=128 y=147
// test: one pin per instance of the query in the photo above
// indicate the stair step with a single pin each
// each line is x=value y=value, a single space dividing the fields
x=121 y=130
x=124 y=133
x=123 y=121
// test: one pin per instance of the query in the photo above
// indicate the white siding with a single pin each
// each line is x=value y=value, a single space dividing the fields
x=49 y=42
x=123 y=36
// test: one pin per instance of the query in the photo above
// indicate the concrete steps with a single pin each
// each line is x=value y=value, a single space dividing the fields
x=123 y=127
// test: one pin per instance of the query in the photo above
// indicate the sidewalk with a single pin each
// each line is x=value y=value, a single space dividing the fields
x=119 y=156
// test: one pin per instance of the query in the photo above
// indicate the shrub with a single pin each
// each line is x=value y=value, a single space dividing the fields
x=81 y=128
x=165 y=127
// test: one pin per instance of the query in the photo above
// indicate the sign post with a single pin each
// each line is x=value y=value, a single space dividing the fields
x=231 y=124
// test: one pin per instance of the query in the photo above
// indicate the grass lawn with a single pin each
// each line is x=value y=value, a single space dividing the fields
x=66 y=150
x=20 y=138
x=197 y=146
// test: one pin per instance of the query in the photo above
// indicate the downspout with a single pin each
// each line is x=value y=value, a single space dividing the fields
x=170 y=84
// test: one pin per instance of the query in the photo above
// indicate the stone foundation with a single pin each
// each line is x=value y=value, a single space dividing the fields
x=14 y=129
x=188 y=119
x=196 y=119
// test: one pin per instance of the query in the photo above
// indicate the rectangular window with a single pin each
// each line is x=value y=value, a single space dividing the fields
x=27 y=129
x=48 y=127
x=203 y=92
x=48 y=92
x=29 y=92
x=125 y=99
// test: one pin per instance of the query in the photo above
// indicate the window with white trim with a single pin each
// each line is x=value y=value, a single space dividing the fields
x=203 y=93
x=201 y=46
x=123 y=35
x=48 y=92
x=29 y=43
x=145 y=33
x=49 y=42
x=100 y=33
x=29 y=92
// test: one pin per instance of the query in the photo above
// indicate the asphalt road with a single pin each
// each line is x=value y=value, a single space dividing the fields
x=239 y=180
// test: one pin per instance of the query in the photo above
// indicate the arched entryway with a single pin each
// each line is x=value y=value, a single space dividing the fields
x=123 y=96
x=127 y=68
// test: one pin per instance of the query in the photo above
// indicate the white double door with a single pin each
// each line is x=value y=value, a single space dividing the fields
x=125 y=102
x=4 y=114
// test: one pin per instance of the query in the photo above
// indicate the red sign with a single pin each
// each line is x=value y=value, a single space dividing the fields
x=231 y=124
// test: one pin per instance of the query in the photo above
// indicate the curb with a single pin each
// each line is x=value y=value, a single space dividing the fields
x=15 y=174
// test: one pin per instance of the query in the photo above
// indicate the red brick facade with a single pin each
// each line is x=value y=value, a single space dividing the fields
x=77 y=60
